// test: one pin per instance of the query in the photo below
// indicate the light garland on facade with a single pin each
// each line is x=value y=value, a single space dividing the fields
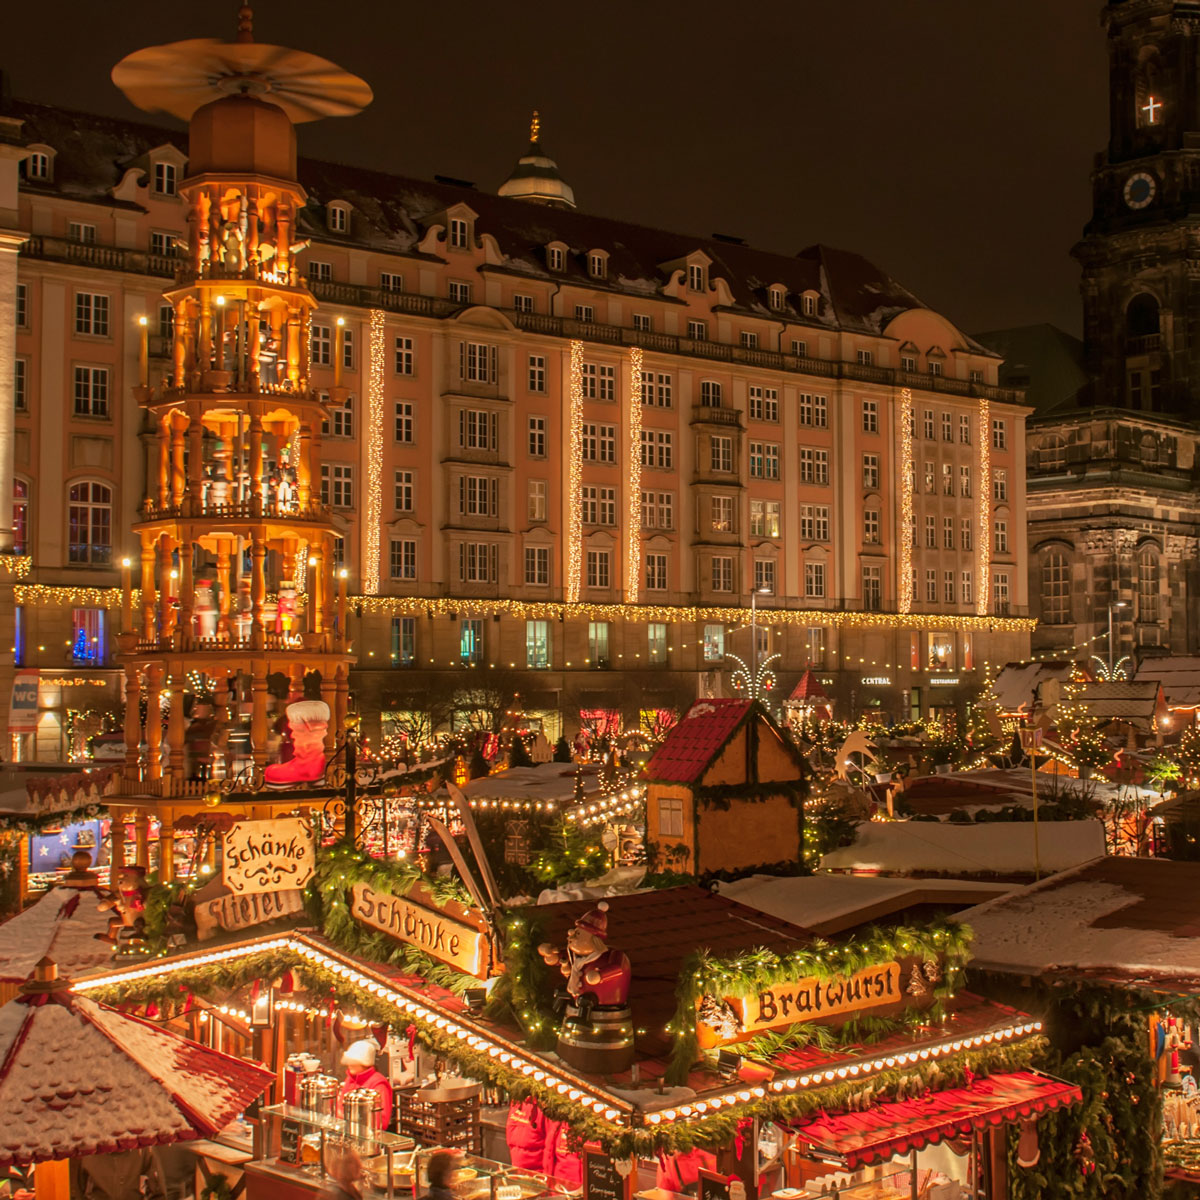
x=43 y=595
x=21 y=564
x=633 y=558
x=906 y=483
x=572 y=583
x=983 y=548
x=375 y=394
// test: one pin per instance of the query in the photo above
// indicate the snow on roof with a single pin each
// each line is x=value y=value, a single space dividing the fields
x=696 y=740
x=1016 y=683
x=62 y=925
x=1179 y=675
x=547 y=781
x=828 y=904
x=1127 y=700
x=1131 y=920
x=994 y=848
x=85 y=1079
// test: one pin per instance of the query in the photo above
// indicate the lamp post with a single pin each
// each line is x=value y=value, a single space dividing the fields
x=754 y=595
x=1111 y=609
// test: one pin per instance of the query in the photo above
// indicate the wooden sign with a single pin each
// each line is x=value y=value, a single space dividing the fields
x=446 y=934
x=264 y=856
x=289 y=1141
x=216 y=909
x=602 y=1179
x=712 y=1186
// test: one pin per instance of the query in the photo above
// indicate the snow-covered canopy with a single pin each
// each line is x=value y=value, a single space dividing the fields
x=62 y=925
x=551 y=781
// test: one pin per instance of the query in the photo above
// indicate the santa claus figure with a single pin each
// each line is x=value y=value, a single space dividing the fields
x=597 y=1029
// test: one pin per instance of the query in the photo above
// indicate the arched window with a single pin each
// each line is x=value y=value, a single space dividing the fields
x=1056 y=588
x=1147 y=590
x=1052 y=454
x=1141 y=318
x=89 y=523
x=20 y=516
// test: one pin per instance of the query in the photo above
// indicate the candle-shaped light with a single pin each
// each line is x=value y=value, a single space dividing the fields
x=126 y=596
x=144 y=352
x=311 y=593
x=343 y=575
x=339 y=352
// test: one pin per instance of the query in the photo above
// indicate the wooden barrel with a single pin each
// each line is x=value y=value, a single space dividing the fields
x=604 y=1046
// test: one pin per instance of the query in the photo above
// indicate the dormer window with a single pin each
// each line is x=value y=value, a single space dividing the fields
x=598 y=264
x=808 y=304
x=460 y=233
x=697 y=277
x=39 y=164
x=935 y=358
x=166 y=175
x=337 y=218
x=555 y=258
x=776 y=297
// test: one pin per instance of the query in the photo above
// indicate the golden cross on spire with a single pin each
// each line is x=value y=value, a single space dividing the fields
x=535 y=126
x=245 y=28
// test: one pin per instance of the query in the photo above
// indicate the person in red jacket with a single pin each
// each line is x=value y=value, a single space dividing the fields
x=526 y=1132
x=359 y=1061
x=681 y=1172
x=562 y=1163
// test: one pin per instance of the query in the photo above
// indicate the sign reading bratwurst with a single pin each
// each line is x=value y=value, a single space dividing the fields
x=268 y=856
x=433 y=930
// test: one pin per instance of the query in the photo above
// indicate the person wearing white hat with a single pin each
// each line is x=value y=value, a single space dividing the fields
x=359 y=1061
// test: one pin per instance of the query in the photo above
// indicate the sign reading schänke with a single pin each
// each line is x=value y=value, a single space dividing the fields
x=266 y=856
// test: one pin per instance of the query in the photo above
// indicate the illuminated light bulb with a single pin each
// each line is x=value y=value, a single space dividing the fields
x=611 y=1114
x=654 y=1118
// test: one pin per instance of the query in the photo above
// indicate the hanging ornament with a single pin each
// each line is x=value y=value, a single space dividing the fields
x=933 y=970
x=916 y=983
x=1028 y=1150
x=1085 y=1155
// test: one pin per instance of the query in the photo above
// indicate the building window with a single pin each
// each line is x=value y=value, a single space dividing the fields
x=348 y=348
x=403 y=558
x=390 y=282
x=22 y=311
x=21 y=384
x=404 y=423
x=814 y=465
x=478 y=562
x=585 y=313
x=656 y=389
x=964 y=429
x=656 y=572
x=696 y=277
x=459 y=233
x=598 y=643
x=814 y=410
x=87 y=635
x=865 y=358
x=1000 y=594
x=537 y=437
x=658 y=449
x=322 y=346
x=337 y=218
x=714 y=643
x=163 y=244
x=930 y=586
x=643 y=322
x=537 y=566
x=404 y=491
x=20 y=516
x=1147 y=595
x=764 y=576
x=460 y=292
x=809 y=305
x=341 y=419
x=165 y=178
x=698 y=331
x=478 y=496
x=91 y=391
x=721 y=514
x=947 y=479
x=927 y=424
x=89 y=523
x=814 y=522
x=870 y=416
x=598 y=382
x=537 y=645
x=404 y=641
x=658 y=510
x=814 y=580
x=799 y=348
x=1001 y=537
x=478 y=429
x=935 y=366
x=670 y=818
x=947 y=533
x=1056 y=589
x=764 y=404
x=871 y=531
x=710 y=393
x=404 y=356
x=870 y=472
x=599 y=442
x=721 y=454
x=1052 y=454
x=1000 y=485
x=964 y=480
x=91 y=314
x=597 y=265
x=478 y=362
x=948 y=587
x=872 y=587
x=337 y=485
x=82 y=231
x=320 y=272
x=722 y=573
x=537 y=373
x=968 y=589
x=166 y=322
x=536 y=499
x=37 y=166
x=749 y=340
x=470 y=642
x=598 y=569
x=598 y=505
x=656 y=643
x=764 y=460
x=764 y=518
x=999 y=435
x=554 y=258
x=931 y=533
x=775 y=297
x=947 y=427
x=965 y=534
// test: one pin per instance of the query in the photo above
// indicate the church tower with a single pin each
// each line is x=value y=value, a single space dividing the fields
x=1140 y=252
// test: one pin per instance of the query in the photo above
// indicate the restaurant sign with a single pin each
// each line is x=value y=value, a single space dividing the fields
x=268 y=856
x=800 y=1001
x=446 y=934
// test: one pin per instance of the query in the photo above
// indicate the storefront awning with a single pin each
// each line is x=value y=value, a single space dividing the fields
x=887 y=1130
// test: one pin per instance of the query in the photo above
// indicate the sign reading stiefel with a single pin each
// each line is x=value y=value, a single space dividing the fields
x=267 y=856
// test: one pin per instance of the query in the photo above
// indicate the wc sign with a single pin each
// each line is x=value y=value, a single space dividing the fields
x=23 y=708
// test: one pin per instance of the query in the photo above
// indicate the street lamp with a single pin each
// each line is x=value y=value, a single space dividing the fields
x=1111 y=609
x=754 y=595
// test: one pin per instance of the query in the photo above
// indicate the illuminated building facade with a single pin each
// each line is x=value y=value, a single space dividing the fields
x=559 y=451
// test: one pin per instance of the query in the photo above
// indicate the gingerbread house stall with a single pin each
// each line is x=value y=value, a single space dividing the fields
x=725 y=792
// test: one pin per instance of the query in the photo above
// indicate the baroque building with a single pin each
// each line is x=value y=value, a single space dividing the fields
x=559 y=453
x=1114 y=515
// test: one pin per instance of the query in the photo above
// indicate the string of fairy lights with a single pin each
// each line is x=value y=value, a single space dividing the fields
x=983 y=544
x=633 y=532
x=376 y=388
x=908 y=481
x=574 y=578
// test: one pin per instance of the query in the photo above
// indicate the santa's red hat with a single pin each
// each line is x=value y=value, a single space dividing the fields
x=596 y=921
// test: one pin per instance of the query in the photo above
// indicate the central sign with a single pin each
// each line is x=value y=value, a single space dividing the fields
x=268 y=856
x=438 y=933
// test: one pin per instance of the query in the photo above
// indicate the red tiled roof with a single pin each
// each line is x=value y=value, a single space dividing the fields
x=808 y=689
x=889 y=1129
x=696 y=740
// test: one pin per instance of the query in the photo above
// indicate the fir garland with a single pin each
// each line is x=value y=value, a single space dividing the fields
x=12 y=823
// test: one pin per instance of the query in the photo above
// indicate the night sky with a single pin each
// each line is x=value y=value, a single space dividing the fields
x=947 y=140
